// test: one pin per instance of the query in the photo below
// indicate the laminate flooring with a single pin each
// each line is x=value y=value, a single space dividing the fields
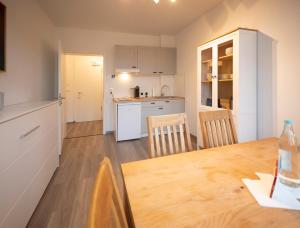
x=84 y=129
x=65 y=202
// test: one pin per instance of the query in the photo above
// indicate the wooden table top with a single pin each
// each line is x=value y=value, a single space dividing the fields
x=204 y=188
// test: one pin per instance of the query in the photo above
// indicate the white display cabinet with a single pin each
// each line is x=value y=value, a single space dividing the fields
x=227 y=78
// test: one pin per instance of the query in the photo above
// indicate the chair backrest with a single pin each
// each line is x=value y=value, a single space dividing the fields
x=106 y=208
x=173 y=126
x=217 y=128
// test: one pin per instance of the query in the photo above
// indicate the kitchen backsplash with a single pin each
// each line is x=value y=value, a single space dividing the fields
x=122 y=88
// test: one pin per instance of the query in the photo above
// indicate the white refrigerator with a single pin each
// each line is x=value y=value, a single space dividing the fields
x=128 y=124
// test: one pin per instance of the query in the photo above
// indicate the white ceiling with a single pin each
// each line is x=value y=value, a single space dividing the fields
x=134 y=16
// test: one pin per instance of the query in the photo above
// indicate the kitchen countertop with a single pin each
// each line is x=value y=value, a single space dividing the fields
x=146 y=99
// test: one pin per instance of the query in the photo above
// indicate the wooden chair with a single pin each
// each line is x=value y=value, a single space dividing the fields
x=173 y=125
x=217 y=128
x=106 y=208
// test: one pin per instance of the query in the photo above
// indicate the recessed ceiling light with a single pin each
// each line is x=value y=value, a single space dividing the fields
x=157 y=1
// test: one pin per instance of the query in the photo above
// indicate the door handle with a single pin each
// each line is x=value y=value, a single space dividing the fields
x=60 y=99
x=79 y=95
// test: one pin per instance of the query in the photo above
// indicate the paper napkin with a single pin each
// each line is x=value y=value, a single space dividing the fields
x=283 y=196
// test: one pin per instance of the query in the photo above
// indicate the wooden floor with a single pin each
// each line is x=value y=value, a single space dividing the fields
x=82 y=129
x=65 y=202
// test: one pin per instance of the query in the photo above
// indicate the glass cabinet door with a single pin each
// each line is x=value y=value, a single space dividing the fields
x=206 y=76
x=225 y=75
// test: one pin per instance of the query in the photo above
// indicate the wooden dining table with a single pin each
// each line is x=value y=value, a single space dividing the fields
x=204 y=188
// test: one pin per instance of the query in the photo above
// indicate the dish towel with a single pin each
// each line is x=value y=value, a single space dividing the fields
x=283 y=196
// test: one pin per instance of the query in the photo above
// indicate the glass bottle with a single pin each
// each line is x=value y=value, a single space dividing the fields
x=289 y=157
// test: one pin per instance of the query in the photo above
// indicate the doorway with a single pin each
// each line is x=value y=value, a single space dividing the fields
x=84 y=94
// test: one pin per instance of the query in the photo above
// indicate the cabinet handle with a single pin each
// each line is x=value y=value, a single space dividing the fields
x=134 y=67
x=161 y=72
x=152 y=103
x=29 y=132
x=160 y=108
x=154 y=72
x=167 y=101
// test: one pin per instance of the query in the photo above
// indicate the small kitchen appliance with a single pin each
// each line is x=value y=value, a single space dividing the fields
x=136 y=92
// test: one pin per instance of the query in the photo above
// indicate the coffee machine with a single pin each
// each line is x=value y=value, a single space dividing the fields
x=136 y=92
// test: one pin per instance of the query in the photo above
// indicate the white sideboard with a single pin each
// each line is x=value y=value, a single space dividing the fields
x=28 y=158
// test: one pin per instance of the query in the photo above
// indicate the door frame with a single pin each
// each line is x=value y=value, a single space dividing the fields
x=103 y=82
x=61 y=118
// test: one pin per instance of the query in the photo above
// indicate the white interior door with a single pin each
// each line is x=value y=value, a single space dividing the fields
x=62 y=126
x=84 y=87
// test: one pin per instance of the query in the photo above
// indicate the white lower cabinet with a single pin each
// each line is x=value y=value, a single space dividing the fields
x=157 y=108
x=150 y=111
x=174 y=106
x=28 y=159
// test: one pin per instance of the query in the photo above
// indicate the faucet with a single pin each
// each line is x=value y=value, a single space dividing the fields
x=162 y=88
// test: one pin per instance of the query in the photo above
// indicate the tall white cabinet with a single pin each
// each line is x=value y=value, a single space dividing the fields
x=227 y=78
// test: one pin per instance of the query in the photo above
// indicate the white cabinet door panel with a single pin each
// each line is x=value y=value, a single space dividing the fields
x=148 y=61
x=129 y=125
x=174 y=106
x=157 y=108
x=167 y=61
x=150 y=111
x=126 y=57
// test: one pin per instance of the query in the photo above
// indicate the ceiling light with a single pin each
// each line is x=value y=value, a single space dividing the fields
x=157 y=1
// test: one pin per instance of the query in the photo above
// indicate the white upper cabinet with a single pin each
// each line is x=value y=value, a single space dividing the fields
x=167 y=61
x=227 y=78
x=126 y=57
x=146 y=60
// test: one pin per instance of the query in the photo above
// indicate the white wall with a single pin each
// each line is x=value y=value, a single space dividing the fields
x=31 y=54
x=102 y=43
x=276 y=19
